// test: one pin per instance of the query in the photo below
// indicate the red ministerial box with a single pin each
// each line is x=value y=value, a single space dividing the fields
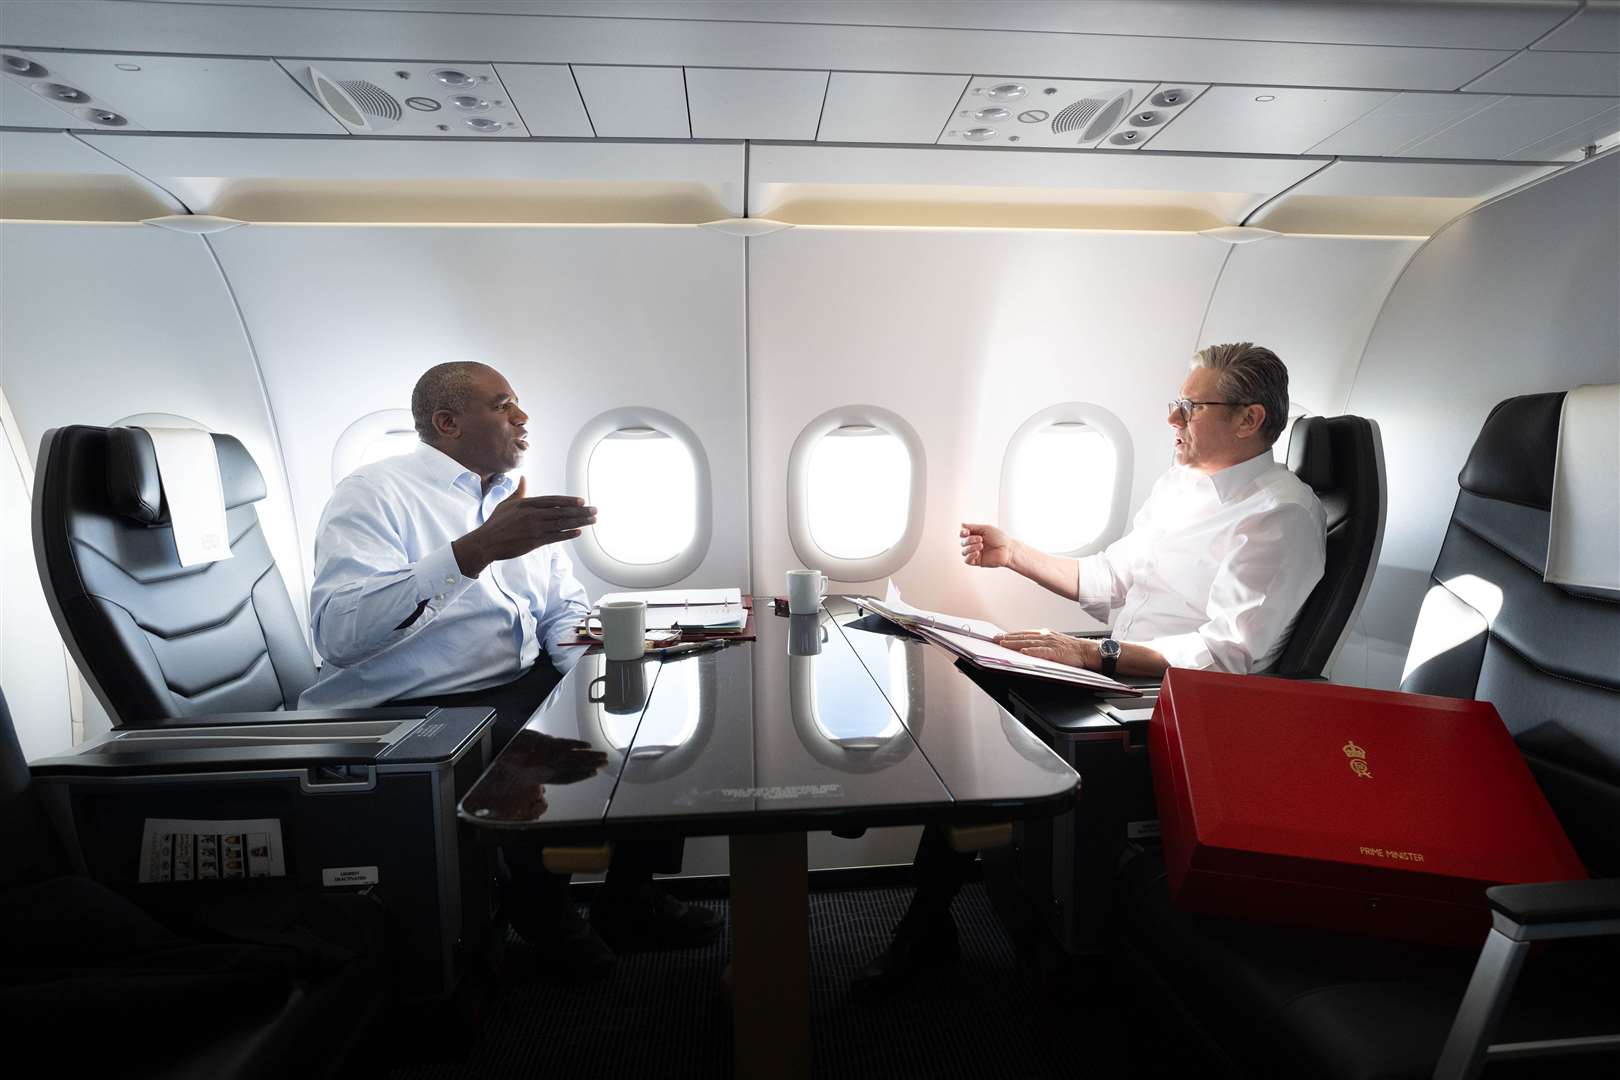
x=1330 y=806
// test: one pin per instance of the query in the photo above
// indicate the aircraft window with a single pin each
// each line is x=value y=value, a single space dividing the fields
x=648 y=476
x=644 y=484
x=384 y=434
x=1065 y=480
x=855 y=493
x=160 y=419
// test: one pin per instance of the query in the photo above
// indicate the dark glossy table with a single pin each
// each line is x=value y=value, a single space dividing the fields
x=819 y=724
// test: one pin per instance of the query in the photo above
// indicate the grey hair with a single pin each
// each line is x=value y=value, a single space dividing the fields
x=1250 y=374
x=442 y=386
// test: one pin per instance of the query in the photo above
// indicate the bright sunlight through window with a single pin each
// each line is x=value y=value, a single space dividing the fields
x=1062 y=486
x=643 y=484
x=859 y=493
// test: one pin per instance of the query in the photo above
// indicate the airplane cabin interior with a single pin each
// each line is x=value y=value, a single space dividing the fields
x=811 y=538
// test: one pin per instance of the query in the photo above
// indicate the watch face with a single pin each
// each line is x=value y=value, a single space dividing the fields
x=1110 y=648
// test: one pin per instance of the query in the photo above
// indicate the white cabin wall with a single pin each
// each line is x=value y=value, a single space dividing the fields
x=1313 y=301
x=1517 y=297
x=579 y=319
x=965 y=333
x=103 y=321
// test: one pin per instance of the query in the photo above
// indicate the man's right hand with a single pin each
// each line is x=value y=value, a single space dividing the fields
x=986 y=545
x=519 y=525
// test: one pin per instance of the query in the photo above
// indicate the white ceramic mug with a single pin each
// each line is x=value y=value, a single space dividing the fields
x=805 y=588
x=624 y=628
x=624 y=687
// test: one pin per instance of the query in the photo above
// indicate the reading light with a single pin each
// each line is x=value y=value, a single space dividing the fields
x=979 y=134
x=452 y=77
x=469 y=103
x=63 y=92
x=484 y=124
x=989 y=114
x=21 y=65
x=1006 y=92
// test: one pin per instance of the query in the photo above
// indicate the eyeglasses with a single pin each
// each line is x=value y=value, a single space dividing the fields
x=1185 y=406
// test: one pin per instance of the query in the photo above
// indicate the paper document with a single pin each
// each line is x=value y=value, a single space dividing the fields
x=971 y=640
x=698 y=616
x=173 y=849
x=678 y=597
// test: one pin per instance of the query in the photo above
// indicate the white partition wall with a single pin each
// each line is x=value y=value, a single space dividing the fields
x=965 y=334
x=1517 y=297
x=99 y=322
x=580 y=320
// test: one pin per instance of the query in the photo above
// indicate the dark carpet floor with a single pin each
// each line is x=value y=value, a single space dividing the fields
x=664 y=1014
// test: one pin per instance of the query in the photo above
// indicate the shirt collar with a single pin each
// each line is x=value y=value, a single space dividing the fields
x=446 y=471
x=1234 y=480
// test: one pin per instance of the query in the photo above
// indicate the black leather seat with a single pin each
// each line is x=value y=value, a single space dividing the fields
x=92 y=980
x=1341 y=459
x=154 y=639
x=1276 y=1001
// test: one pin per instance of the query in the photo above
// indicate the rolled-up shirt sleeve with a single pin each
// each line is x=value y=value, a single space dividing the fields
x=368 y=596
x=1105 y=577
x=1257 y=593
x=565 y=606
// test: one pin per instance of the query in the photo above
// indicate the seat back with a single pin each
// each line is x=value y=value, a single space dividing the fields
x=1342 y=460
x=1547 y=656
x=33 y=851
x=155 y=639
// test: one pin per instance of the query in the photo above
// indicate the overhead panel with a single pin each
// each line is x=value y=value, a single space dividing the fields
x=1149 y=117
x=185 y=93
x=1002 y=110
x=1573 y=143
x=877 y=107
x=738 y=103
x=440 y=99
x=1265 y=119
x=1537 y=72
x=1594 y=28
x=1391 y=198
x=634 y=102
x=50 y=175
x=1507 y=127
x=547 y=99
x=429 y=180
x=1403 y=120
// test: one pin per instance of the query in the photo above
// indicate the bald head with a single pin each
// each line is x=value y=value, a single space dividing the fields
x=451 y=386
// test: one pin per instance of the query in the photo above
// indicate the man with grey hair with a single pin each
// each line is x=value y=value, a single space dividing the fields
x=440 y=581
x=1213 y=573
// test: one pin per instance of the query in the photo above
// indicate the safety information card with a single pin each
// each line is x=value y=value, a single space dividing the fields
x=178 y=850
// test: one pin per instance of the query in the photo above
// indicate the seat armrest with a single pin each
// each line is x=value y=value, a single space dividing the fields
x=1557 y=901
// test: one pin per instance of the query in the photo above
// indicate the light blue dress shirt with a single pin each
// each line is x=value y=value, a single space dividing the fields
x=383 y=550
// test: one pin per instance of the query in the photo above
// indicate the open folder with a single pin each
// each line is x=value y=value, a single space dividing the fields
x=971 y=639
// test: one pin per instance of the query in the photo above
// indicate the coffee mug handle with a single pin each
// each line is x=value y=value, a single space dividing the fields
x=824 y=582
x=590 y=691
x=824 y=635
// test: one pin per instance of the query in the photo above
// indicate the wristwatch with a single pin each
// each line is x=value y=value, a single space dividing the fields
x=1110 y=656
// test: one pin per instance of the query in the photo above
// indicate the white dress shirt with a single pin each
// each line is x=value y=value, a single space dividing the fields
x=383 y=550
x=1215 y=567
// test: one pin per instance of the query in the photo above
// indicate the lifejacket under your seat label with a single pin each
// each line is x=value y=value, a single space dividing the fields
x=337 y=876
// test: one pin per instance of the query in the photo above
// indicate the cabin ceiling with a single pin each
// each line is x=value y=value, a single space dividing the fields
x=1432 y=100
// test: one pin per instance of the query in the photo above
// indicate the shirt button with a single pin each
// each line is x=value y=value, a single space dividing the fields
x=449 y=581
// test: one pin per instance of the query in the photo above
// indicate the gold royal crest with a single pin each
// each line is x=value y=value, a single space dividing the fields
x=1358 y=760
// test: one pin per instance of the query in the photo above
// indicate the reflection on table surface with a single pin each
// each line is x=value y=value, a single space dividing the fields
x=818 y=722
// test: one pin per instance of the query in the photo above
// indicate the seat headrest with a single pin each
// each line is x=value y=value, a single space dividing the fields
x=1513 y=458
x=136 y=492
x=1310 y=452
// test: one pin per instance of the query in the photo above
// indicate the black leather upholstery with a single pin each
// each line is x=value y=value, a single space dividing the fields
x=1549 y=658
x=1338 y=457
x=1564 y=901
x=156 y=639
x=98 y=982
x=1286 y=1002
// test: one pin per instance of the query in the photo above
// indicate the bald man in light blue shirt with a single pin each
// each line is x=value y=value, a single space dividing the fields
x=438 y=581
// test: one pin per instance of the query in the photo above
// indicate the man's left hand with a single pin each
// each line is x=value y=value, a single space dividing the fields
x=1050 y=645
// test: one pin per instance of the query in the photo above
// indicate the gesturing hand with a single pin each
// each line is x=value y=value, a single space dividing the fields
x=1050 y=645
x=986 y=545
x=519 y=525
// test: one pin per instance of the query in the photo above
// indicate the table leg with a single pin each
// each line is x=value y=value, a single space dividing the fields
x=770 y=956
